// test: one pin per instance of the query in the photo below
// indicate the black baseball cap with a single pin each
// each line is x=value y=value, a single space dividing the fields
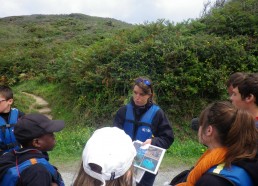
x=31 y=126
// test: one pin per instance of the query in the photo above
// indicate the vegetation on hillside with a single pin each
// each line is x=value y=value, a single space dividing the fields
x=91 y=62
x=31 y=45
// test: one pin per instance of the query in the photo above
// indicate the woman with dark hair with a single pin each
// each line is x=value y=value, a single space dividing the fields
x=143 y=120
x=231 y=158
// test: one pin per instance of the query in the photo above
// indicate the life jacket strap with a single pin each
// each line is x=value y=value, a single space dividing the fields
x=4 y=127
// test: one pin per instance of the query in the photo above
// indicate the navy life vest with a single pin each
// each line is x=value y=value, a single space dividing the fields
x=12 y=175
x=144 y=131
x=234 y=174
x=7 y=138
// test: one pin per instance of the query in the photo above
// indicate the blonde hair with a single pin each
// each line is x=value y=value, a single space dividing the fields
x=83 y=179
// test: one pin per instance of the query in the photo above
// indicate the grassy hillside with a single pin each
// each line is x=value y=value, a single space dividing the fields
x=77 y=28
x=29 y=44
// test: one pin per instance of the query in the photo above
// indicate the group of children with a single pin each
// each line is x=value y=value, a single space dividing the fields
x=24 y=143
x=227 y=129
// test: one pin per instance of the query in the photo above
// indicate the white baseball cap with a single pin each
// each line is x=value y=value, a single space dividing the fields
x=110 y=148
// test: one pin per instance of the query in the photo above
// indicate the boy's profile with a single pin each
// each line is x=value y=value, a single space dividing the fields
x=29 y=165
x=245 y=95
x=8 y=118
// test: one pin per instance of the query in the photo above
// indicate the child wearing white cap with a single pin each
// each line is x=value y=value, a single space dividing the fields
x=107 y=159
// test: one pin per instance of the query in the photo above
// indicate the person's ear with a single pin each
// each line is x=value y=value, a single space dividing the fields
x=250 y=98
x=209 y=130
x=10 y=101
x=36 y=143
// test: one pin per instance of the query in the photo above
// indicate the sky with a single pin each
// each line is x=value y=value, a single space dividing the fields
x=130 y=11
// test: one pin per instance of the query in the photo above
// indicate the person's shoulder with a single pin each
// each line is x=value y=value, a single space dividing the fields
x=30 y=153
x=250 y=166
x=7 y=161
x=8 y=155
x=156 y=105
x=38 y=167
x=36 y=174
x=20 y=113
x=122 y=108
x=213 y=180
x=159 y=110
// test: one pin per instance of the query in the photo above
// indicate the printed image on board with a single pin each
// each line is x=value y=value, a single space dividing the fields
x=148 y=157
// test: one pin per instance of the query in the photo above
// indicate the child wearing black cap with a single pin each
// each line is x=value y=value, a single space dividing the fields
x=29 y=165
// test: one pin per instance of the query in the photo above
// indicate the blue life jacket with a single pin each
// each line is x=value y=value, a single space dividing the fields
x=144 y=131
x=235 y=174
x=7 y=138
x=256 y=123
x=12 y=175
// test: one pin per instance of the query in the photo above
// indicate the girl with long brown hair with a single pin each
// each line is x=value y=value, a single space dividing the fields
x=231 y=158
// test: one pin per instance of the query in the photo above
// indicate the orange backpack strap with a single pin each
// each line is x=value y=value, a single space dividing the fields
x=33 y=161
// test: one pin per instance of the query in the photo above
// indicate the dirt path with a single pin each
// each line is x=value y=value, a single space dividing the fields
x=40 y=105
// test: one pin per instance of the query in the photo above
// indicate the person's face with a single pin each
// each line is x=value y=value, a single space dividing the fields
x=46 y=142
x=237 y=100
x=5 y=105
x=139 y=97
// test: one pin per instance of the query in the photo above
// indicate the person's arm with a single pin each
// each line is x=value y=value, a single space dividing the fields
x=213 y=180
x=35 y=175
x=162 y=130
x=120 y=118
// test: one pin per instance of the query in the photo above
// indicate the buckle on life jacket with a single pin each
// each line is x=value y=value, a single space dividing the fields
x=6 y=126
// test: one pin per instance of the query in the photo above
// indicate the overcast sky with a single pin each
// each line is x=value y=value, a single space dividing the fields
x=130 y=11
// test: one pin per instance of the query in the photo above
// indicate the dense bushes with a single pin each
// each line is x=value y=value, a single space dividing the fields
x=238 y=17
x=186 y=69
